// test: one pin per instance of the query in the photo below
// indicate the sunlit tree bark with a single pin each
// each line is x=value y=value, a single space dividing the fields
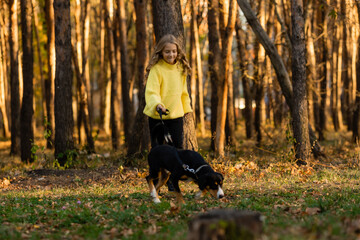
x=3 y=74
x=50 y=80
x=114 y=102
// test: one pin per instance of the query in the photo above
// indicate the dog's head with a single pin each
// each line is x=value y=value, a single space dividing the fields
x=212 y=183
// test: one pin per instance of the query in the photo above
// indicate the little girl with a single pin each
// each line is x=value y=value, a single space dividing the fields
x=166 y=87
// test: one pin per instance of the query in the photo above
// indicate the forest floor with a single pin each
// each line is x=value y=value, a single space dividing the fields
x=99 y=198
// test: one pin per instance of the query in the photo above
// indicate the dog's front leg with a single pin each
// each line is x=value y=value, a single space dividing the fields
x=179 y=197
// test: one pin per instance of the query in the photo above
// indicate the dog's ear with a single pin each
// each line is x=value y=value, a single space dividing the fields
x=220 y=176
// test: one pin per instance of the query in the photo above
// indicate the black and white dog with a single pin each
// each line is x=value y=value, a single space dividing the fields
x=166 y=162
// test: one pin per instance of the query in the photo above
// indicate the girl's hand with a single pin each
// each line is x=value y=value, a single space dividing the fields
x=160 y=107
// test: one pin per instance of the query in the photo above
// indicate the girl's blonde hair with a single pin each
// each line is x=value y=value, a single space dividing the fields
x=156 y=56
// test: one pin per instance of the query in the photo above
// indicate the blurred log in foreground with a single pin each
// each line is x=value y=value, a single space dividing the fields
x=227 y=224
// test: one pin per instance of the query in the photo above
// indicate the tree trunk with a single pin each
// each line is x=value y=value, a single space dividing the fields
x=139 y=141
x=299 y=114
x=336 y=79
x=64 y=122
x=83 y=106
x=114 y=103
x=103 y=77
x=200 y=92
x=259 y=78
x=223 y=87
x=167 y=19
x=27 y=111
x=50 y=80
x=14 y=78
x=346 y=101
x=3 y=78
x=85 y=31
x=40 y=62
x=243 y=55
x=215 y=63
x=323 y=71
x=79 y=60
x=230 y=119
x=356 y=116
x=128 y=110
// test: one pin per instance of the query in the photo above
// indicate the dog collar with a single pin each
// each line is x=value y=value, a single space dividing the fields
x=205 y=165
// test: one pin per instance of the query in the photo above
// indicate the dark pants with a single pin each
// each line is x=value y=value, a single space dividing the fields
x=176 y=130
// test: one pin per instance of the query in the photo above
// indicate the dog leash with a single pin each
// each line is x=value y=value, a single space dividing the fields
x=167 y=135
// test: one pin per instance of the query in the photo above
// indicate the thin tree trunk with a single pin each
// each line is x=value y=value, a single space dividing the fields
x=85 y=31
x=79 y=54
x=226 y=43
x=230 y=119
x=38 y=48
x=14 y=78
x=346 y=102
x=140 y=140
x=322 y=56
x=128 y=110
x=356 y=116
x=27 y=111
x=248 y=112
x=3 y=78
x=50 y=80
x=83 y=107
x=312 y=73
x=200 y=93
x=114 y=107
x=103 y=77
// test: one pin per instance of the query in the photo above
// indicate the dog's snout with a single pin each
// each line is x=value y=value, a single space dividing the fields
x=220 y=193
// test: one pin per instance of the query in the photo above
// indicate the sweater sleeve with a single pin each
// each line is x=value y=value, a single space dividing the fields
x=152 y=92
x=185 y=99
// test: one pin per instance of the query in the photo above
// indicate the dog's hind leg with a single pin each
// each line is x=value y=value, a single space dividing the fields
x=163 y=178
x=153 y=192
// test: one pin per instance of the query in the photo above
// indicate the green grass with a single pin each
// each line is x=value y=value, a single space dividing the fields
x=319 y=201
x=125 y=210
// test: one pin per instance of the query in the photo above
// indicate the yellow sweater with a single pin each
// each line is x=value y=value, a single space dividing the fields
x=166 y=85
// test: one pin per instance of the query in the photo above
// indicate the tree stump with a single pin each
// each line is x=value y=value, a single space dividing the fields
x=226 y=224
